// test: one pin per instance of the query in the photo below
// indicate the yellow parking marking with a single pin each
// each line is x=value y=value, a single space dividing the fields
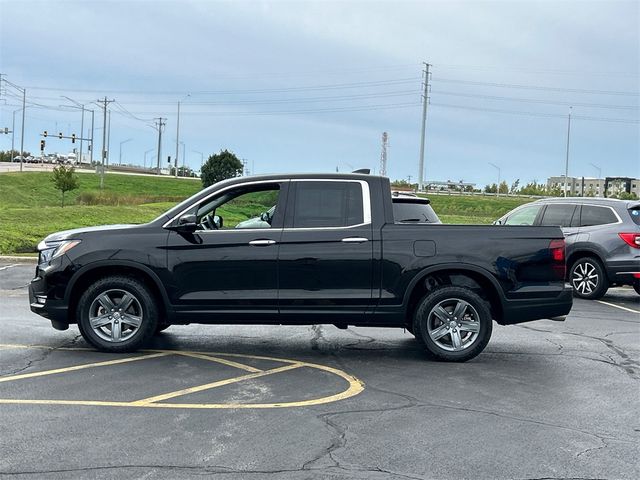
x=355 y=385
x=10 y=378
x=220 y=383
x=229 y=363
x=618 y=306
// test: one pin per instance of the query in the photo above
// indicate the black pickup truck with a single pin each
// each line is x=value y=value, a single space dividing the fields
x=300 y=249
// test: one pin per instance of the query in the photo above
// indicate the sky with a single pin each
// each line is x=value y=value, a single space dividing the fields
x=311 y=86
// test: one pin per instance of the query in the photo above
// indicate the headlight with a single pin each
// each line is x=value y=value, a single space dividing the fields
x=50 y=250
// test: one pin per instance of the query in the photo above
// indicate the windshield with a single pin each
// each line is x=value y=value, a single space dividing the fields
x=414 y=212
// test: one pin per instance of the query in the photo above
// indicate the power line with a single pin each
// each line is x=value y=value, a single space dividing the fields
x=535 y=87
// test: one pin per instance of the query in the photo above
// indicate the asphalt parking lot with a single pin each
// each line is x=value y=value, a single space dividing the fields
x=545 y=400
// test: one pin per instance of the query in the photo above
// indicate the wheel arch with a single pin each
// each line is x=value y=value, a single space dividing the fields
x=583 y=253
x=92 y=272
x=469 y=276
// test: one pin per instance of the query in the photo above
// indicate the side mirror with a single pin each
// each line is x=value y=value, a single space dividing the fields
x=264 y=216
x=187 y=223
x=218 y=222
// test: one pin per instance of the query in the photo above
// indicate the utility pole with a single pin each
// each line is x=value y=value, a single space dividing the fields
x=159 y=126
x=566 y=163
x=24 y=100
x=104 y=105
x=383 y=155
x=425 y=101
x=81 y=107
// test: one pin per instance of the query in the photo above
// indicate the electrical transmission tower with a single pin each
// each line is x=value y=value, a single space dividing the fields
x=383 y=155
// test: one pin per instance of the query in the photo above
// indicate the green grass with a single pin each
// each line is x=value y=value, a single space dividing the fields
x=29 y=205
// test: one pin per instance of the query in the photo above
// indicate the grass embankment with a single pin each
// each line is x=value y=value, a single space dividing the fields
x=30 y=206
x=473 y=209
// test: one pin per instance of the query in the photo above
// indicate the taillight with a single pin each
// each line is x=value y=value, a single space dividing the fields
x=557 y=249
x=632 y=239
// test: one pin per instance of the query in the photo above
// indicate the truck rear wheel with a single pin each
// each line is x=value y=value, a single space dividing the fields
x=453 y=323
x=117 y=314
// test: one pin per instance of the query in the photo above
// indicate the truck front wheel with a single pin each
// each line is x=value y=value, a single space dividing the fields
x=117 y=314
x=453 y=323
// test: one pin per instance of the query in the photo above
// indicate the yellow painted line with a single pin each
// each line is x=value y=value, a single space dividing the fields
x=229 y=363
x=74 y=368
x=219 y=383
x=356 y=386
x=618 y=306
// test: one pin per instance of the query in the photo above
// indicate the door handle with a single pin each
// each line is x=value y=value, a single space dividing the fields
x=355 y=240
x=261 y=243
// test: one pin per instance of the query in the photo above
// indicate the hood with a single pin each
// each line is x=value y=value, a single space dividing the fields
x=70 y=234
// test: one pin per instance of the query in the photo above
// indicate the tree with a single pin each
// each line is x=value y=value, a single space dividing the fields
x=64 y=179
x=493 y=188
x=504 y=188
x=220 y=166
x=514 y=186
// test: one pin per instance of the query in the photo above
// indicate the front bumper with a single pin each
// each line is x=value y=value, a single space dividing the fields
x=527 y=310
x=47 y=289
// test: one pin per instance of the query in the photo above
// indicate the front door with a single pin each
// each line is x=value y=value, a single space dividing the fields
x=227 y=269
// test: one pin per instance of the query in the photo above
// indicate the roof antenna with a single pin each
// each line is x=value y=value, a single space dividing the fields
x=365 y=171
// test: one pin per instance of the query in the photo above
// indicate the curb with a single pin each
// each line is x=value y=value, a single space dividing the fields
x=17 y=259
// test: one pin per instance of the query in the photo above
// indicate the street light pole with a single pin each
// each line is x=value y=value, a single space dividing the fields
x=144 y=165
x=24 y=101
x=178 y=133
x=566 y=163
x=499 y=171
x=13 y=131
x=120 y=156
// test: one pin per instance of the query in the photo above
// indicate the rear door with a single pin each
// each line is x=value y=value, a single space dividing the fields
x=566 y=216
x=326 y=251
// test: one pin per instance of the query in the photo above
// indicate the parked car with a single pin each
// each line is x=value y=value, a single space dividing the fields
x=603 y=239
x=410 y=208
x=334 y=253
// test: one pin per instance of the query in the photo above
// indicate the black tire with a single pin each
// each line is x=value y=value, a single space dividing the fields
x=426 y=324
x=117 y=333
x=636 y=286
x=588 y=278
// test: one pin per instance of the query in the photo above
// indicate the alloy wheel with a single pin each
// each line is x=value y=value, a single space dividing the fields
x=453 y=325
x=115 y=315
x=585 y=278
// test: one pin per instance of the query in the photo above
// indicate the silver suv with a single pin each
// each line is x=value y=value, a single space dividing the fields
x=602 y=237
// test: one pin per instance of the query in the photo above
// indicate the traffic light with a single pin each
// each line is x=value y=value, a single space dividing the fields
x=60 y=135
x=169 y=159
x=73 y=138
x=42 y=145
x=45 y=133
x=6 y=130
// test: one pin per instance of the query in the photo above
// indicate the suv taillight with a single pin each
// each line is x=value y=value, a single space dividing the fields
x=557 y=249
x=632 y=239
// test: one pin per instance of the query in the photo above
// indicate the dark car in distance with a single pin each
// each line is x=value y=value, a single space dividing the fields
x=602 y=235
x=331 y=252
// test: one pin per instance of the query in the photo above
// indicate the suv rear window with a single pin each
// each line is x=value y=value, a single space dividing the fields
x=635 y=214
x=418 y=212
x=593 y=215
x=558 y=215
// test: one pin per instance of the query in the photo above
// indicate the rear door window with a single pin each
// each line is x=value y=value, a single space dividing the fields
x=524 y=216
x=558 y=215
x=327 y=204
x=593 y=215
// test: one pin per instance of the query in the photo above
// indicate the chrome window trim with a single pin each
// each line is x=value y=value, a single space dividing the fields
x=221 y=191
x=366 y=203
x=366 y=207
x=546 y=204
